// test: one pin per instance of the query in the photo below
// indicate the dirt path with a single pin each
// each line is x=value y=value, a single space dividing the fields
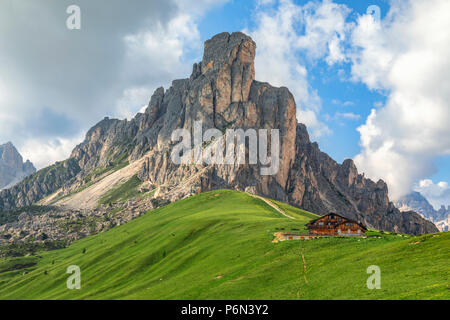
x=299 y=292
x=273 y=205
x=304 y=266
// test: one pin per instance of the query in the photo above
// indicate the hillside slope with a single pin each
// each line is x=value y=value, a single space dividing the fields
x=217 y=245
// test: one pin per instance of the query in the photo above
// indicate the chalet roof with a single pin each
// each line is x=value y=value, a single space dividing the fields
x=347 y=220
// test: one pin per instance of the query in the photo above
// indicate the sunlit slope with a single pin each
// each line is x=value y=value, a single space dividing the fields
x=217 y=245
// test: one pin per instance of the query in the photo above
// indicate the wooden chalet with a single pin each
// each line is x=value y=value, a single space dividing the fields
x=333 y=224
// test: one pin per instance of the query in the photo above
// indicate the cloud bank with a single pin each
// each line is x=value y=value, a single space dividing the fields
x=437 y=194
x=283 y=30
x=405 y=55
x=55 y=83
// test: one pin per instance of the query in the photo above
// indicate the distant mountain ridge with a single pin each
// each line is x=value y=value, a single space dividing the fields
x=417 y=202
x=12 y=167
x=222 y=93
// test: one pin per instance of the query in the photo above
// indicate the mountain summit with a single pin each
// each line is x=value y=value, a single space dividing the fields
x=12 y=167
x=221 y=93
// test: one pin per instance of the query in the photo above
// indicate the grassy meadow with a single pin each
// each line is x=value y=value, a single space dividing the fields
x=218 y=245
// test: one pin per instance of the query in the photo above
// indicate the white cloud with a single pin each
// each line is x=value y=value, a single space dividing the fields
x=437 y=194
x=133 y=100
x=199 y=7
x=325 y=30
x=343 y=104
x=406 y=55
x=443 y=185
x=317 y=29
x=347 y=115
x=162 y=51
x=108 y=68
x=44 y=153
x=162 y=48
x=265 y=2
x=348 y=104
x=309 y=117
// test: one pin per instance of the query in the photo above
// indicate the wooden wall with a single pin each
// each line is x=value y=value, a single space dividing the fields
x=331 y=224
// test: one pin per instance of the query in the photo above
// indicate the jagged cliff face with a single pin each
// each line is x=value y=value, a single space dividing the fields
x=12 y=167
x=319 y=184
x=416 y=202
x=222 y=93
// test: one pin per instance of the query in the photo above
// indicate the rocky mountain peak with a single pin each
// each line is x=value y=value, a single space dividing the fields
x=417 y=202
x=228 y=63
x=12 y=167
x=10 y=156
x=222 y=93
x=223 y=48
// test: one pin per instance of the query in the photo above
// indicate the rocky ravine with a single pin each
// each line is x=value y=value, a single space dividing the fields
x=12 y=167
x=223 y=94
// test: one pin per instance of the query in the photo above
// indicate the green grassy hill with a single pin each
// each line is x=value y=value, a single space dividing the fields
x=218 y=245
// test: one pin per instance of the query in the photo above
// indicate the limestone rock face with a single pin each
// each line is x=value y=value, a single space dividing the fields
x=12 y=167
x=416 y=202
x=228 y=63
x=222 y=93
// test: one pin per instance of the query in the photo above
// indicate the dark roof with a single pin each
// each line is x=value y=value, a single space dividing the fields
x=335 y=214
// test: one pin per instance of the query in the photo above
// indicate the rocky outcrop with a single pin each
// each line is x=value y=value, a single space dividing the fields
x=222 y=93
x=12 y=167
x=40 y=224
x=321 y=185
x=416 y=202
x=39 y=185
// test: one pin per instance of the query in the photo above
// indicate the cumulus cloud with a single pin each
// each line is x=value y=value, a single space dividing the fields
x=317 y=30
x=162 y=50
x=109 y=67
x=43 y=152
x=405 y=55
x=325 y=31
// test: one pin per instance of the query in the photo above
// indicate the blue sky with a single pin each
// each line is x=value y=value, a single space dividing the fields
x=372 y=90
